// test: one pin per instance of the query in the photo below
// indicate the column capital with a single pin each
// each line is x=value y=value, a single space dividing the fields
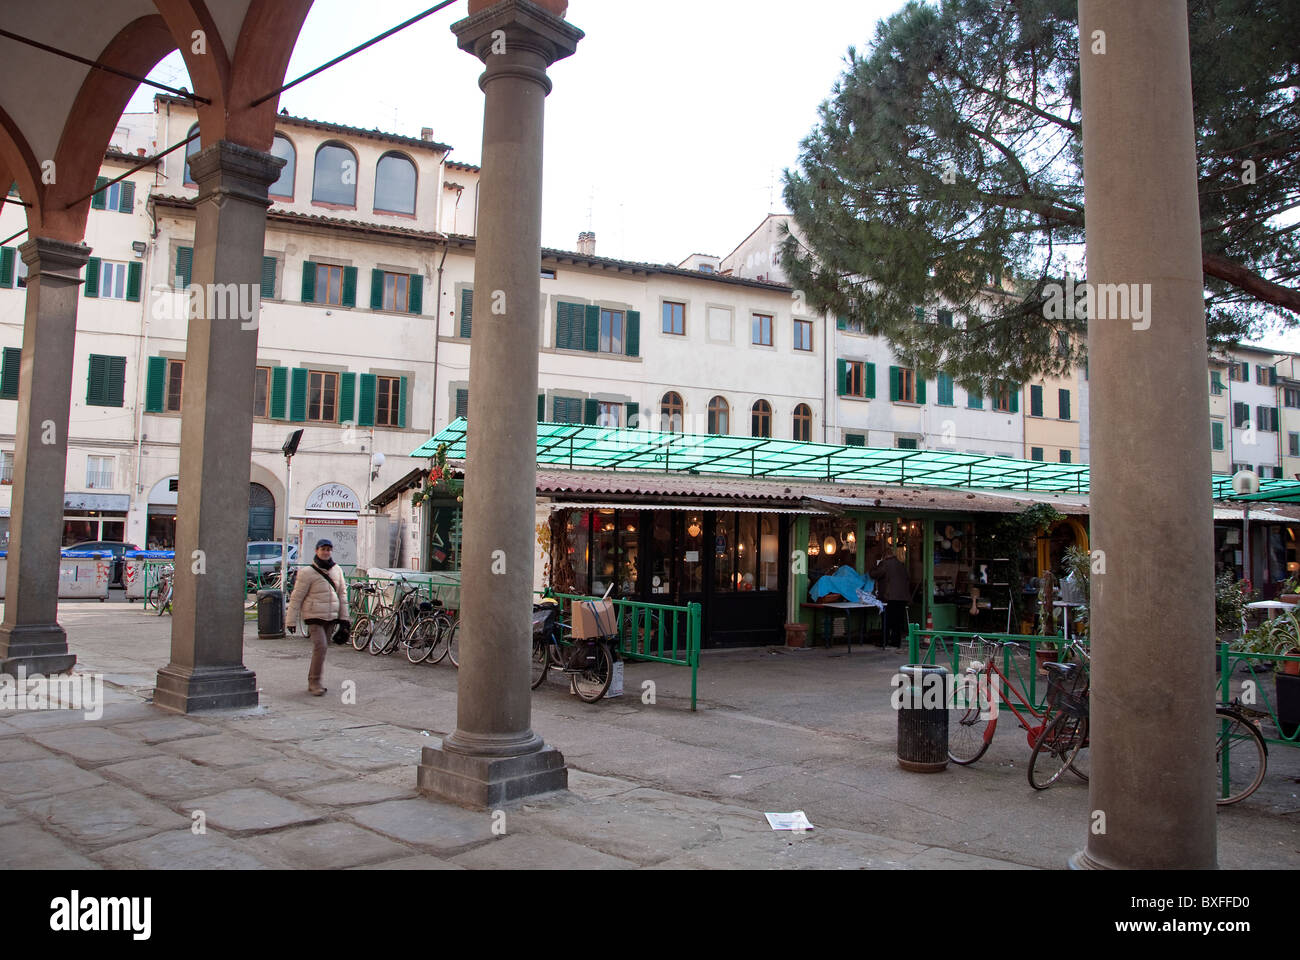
x=228 y=169
x=54 y=259
x=528 y=28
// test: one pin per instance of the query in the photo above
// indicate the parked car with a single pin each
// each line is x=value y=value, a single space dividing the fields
x=264 y=558
x=118 y=549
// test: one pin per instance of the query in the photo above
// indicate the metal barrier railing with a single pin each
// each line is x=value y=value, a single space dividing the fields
x=943 y=650
x=652 y=631
x=1254 y=692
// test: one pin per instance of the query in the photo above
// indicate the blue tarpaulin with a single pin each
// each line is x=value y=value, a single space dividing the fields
x=845 y=581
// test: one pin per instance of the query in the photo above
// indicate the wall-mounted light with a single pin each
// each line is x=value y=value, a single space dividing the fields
x=850 y=538
x=138 y=248
x=693 y=530
x=829 y=546
x=813 y=549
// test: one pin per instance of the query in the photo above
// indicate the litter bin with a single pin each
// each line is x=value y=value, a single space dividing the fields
x=270 y=614
x=922 y=705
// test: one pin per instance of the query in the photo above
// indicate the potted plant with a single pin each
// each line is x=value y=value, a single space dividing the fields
x=1291 y=590
x=1278 y=637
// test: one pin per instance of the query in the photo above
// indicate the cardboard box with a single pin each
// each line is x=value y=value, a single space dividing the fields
x=593 y=618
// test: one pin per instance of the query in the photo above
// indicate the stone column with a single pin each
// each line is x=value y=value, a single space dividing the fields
x=493 y=756
x=30 y=636
x=207 y=661
x=1151 y=788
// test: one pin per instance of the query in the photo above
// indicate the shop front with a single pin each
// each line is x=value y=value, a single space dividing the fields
x=94 y=516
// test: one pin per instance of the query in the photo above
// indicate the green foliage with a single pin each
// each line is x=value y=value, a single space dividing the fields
x=1281 y=635
x=1230 y=599
x=1014 y=536
x=946 y=170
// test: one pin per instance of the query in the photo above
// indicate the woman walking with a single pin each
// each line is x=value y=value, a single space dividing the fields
x=320 y=595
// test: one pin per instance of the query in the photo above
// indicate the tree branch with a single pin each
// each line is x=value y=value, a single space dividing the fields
x=1243 y=278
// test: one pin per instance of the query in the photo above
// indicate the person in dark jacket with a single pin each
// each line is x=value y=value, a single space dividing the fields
x=894 y=587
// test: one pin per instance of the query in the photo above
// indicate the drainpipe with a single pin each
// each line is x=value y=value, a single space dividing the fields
x=826 y=347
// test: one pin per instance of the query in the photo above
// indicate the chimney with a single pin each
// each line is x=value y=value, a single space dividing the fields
x=426 y=134
x=587 y=244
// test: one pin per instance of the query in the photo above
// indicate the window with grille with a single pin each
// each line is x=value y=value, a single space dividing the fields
x=175 y=382
x=99 y=473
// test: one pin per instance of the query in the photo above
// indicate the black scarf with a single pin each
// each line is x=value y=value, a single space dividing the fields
x=322 y=565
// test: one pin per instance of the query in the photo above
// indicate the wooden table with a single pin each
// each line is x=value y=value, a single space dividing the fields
x=847 y=606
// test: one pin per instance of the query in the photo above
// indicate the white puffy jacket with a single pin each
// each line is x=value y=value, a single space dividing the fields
x=318 y=598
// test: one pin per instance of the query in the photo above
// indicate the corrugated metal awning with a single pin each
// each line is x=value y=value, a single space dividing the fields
x=692 y=508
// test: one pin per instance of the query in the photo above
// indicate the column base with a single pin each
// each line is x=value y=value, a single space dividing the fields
x=37 y=648
x=190 y=690
x=1081 y=861
x=474 y=781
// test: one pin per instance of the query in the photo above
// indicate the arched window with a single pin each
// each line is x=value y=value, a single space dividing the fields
x=761 y=419
x=719 y=416
x=672 y=413
x=335 y=177
x=282 y=148
x=803 y=423
x=395 y=184
x=191 y=148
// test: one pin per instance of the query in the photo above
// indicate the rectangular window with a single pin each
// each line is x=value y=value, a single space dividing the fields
x=855 y=439
x=1035 y=453
x=397 y=288
x=388 y=402
x=945 y=390
x=10 y=369
x=1291 y=397
x=322 y=396
x=262 y=392
x=175 y=382
x=1266 y=418
x=1216 y=435
x=106 y=383
x=1063 y=398
x=567 y=409
x=1002 y=398
x=611 y=331
x=329 y=284
x=1216 y=383
x=1239 y=371
x=762 y=330
x=1035 y=401
x=112 y=280
x=855 y=379
x=609 y=414
x=1062 y=343
x=1293 y=442
x=1066 y=456
x=803 y=334
x=548 y=273
x=7 y=467
x=1265 y=376
x=907 y=443
x=945 y=318
x=20 y=273
x=675 y=318
x=99 y=473
x=906 y=385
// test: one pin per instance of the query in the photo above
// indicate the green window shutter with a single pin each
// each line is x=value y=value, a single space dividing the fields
x=298 y=394
x=9 y=372
x=91 y=287
x=96 y=381
x=269 y=265
x=155 y=385
x=541 y=407
x=1272 y=376
x=1035 y=401
x=466 y=311
x=349 y=286
x=7 y=266
x=376 y=289
x=590 y=412
x=632 y=415
x=348 y=398
x=127 y=201
x=133 y=271
x=841 y=323
x=1015 y=397
x=1035 y=453
x=919 y=312
x=633 y=333
x=920 y=387
x=893 y=383
x=944 y=386
x=1245 y=371
x=870 y=379
x=415 y=302
x=308 y=282
x=184 y=267
x=115 y=382
x=279 y=392
x=100 y=200
x=401 y=403
x=1216 y=435
x=974 y=401
x=841 y=377
x=1065 y=404
x=369 y=389
x=462 y=403
x=591 y=338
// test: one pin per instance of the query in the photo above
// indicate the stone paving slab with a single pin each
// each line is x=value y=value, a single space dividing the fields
x=349 y=793
x=222 y=750
x=102 y=816
x=424 y=823
x=167 y=727
x=422 y=862
x=91 y=745
x=281 y=727
x=250 y=810
x=19 y=749
x=185 y=850
x=167 y=776
x=25 y=846
x=540 y=852
x=332 y=846
x=29 y=779
x=9 y=815
x=30 y=721
x=363 y=753
x=290 y=774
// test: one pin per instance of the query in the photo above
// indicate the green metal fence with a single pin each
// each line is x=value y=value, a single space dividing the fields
x=1256 y=680
x=652 y=631
x=1020 y=666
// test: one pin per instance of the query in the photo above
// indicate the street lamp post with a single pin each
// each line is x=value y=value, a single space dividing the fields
x=290 y=448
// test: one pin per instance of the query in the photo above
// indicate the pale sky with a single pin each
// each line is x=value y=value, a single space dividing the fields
x=666 y=132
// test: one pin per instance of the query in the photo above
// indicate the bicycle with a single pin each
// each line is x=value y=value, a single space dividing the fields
x=160 y=594
x=427 y=639
x=972 y=715
x=1240 y=754
x=393 y=628
x=1061 y=745
x=377 y=607
x=588 y=662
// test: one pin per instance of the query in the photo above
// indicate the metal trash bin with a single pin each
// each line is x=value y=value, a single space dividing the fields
x=270 y=614
x=922 y=705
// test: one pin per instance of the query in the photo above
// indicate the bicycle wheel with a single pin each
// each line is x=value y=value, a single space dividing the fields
x=1240 y=742
x=362 y=628
x=164 y=598
x=591 y=683
x=541 y=660
x=453 y=644
x=420 y=641
x=438 y=650
x=970 y=718
x=380 y=634
x=1056 y=750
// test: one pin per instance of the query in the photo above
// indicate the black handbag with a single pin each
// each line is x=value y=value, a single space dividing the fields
x=344 y=633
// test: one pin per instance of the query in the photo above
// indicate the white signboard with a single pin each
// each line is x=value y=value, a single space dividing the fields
x=341 y=533
x=334 y=496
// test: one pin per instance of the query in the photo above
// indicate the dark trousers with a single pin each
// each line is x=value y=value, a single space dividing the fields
x=895 y=622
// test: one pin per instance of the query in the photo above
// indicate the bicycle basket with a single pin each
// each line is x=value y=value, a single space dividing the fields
x=1067 y=688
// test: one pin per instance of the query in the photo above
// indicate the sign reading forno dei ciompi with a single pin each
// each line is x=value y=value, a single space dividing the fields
x=334 y=496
